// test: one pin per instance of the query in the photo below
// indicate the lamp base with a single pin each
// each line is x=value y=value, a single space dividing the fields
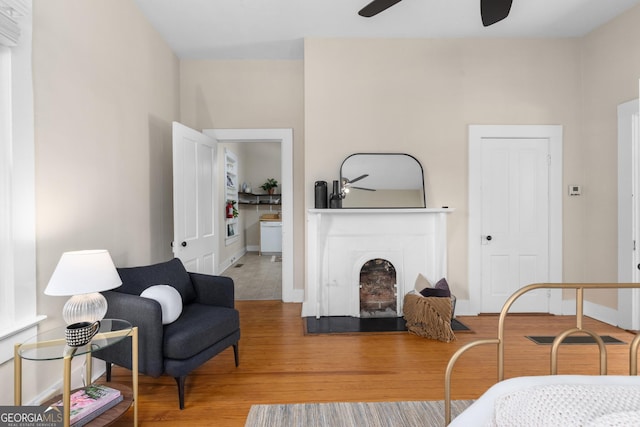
x=84 y=308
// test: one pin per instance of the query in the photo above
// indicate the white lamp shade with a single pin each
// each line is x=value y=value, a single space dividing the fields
x=83 y=272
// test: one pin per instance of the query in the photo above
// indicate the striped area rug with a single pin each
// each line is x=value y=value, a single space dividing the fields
x=350 y=414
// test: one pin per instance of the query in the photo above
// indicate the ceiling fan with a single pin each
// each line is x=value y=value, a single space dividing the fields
x=347 y=184
x=491 y=11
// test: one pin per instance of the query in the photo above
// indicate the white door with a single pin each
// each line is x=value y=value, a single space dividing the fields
x=514 y=222
x=628 y=213
x=194 y=159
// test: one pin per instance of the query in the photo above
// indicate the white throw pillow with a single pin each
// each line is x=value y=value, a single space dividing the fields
x=421 y=283
x=169 y=299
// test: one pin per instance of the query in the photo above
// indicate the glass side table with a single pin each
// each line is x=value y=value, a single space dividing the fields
x=52 y=345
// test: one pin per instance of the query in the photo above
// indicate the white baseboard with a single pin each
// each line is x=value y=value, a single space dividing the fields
x=295 y=295
x=224 y=264
x=601 y=313
x=593 y=310
x=463 y=308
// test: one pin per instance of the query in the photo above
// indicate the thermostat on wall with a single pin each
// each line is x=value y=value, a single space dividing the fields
x=575 y=190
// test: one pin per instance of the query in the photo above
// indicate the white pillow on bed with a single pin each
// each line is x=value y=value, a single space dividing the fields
x=169 y=299
x=566 y=405
x=481 y=412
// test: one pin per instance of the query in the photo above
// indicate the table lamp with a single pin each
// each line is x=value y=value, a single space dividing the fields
x=83 y=274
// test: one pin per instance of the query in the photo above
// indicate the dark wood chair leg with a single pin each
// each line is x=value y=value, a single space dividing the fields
x=180 y=381
x=108 y=371
x=235 y=354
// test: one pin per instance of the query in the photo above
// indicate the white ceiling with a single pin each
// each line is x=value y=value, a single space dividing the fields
x=275 y=29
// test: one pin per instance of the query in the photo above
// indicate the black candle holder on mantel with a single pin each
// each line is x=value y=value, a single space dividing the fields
x=321 y=195
x=335 y=201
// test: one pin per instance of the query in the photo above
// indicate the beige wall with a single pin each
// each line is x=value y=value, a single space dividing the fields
x=105 y=93
x=610 y=68
x=419 y=96
x=104 y=103
x=107 y=88
x=105 y=99
x=251 y=94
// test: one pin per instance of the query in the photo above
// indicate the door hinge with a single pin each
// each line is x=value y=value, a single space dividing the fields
x=549 y=159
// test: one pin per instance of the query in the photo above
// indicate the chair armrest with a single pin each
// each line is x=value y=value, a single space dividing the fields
x=213 y=290
x=146 y=314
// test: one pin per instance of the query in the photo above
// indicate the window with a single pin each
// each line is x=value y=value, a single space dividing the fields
x=6 y=262
x=17 y=179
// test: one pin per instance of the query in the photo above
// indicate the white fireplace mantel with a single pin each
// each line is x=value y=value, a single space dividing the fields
x=341 y=241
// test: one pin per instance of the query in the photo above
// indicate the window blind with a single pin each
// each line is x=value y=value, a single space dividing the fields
x=10 y=13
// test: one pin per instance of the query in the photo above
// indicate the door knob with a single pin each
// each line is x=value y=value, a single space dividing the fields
x=489 y=238
x=183 y=244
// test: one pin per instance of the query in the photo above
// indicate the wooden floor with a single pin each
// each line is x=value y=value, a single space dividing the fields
x=279 y=364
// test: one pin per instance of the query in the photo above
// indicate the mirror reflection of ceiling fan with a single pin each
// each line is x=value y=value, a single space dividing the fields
x=491 y=11
x=347 y=183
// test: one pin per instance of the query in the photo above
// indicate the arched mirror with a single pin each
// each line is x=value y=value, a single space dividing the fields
x=382 y=180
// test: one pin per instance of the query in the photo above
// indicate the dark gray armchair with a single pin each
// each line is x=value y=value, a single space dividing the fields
x=208 y=324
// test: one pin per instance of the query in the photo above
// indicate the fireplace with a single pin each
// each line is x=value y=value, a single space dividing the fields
x=394 y=242
x=378 y=289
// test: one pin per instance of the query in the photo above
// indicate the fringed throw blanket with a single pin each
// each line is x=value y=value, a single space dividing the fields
x=429 y=317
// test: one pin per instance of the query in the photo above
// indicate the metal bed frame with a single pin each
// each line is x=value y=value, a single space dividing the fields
x=579 y=329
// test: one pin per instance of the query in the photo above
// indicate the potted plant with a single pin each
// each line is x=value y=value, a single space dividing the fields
x=270 y=185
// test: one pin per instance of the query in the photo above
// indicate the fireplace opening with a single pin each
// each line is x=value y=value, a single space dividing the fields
x=378 y=290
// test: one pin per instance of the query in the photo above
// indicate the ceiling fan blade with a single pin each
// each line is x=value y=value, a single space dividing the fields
x=493 y=11
x=376 y=6
x=363 y=188
x=351 y=181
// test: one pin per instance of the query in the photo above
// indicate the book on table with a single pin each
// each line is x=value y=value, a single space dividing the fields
x=90 y=402
x=95 y=414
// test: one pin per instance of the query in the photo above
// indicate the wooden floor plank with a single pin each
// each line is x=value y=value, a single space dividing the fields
x=279 y=364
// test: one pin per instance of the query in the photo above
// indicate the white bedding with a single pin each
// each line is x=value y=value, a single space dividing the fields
x=517 y=395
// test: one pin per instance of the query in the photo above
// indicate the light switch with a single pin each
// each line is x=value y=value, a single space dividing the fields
x=575 y=190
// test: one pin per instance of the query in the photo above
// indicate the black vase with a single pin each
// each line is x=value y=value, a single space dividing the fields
x=321 y=195
x=335 y=201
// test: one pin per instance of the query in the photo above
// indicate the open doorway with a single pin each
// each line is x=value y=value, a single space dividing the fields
x=255 y=257
x=285 y=138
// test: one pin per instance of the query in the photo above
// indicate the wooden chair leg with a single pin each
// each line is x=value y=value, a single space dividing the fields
x=108 y=365
x=180 y=381
x=235 y=354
